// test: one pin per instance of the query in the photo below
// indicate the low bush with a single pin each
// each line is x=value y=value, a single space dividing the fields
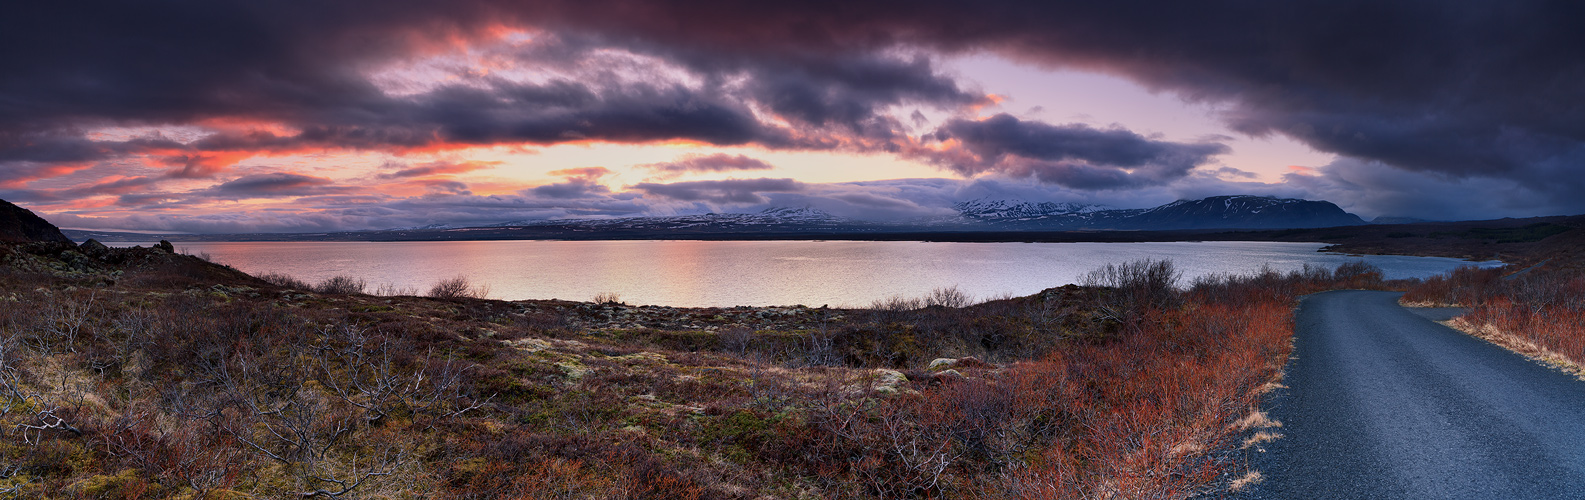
x=341 y=285
x=458 y=287
x=285 y=281
x=1540 y=312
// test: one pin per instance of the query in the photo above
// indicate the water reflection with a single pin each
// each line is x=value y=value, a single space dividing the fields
x=725 y=273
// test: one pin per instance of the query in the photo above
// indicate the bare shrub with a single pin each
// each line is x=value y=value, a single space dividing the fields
x=341 y=285
x=820 y=348
x=950 y=297
x=1357 y=274
x=285 y=281
x=391 y=290
x=64 y=319
x=607 y=298
x=458 y=288
x=362 y=371
x=894 y=308
x=1135 y=287
x=896 y=303
x=290 y=423
x=737 y=340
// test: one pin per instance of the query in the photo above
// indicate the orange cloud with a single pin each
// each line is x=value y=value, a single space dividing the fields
x=582 y=172
x=205 y=164
x=18 y=179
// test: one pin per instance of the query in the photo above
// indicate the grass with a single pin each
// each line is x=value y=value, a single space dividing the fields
x=179 y=379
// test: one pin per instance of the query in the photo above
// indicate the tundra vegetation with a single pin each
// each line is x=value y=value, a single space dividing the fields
x=142 y=373
x=1538 y=312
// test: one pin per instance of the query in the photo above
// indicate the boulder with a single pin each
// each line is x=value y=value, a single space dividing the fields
x=20 y=225
x=942 y=363
x=888 y=381
x=93 y=248
x=939 y=364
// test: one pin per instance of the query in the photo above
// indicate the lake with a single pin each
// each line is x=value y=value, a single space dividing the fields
x=760 y=273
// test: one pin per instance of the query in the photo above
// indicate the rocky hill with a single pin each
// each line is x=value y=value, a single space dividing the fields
x=20 y=225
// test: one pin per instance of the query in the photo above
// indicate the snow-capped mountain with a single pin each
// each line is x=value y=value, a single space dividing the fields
x=985 y=209
x=437 y=225
x=1216 y=212
x=1242 y=212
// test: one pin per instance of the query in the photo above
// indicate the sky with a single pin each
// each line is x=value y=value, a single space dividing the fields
x=308 y=116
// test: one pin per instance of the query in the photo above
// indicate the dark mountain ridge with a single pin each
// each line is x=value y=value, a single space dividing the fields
x=978 y=216
x=1216 y=212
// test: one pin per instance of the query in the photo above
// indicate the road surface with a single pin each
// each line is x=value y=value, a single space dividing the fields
x=1384 y=403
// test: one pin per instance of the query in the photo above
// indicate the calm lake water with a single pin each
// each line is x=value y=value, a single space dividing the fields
x=759 y=273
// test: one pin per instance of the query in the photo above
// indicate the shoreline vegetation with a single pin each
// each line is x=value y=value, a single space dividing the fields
x=143 y=373
x=1539 y=313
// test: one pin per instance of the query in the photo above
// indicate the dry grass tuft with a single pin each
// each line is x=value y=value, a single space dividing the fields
x=1539 y=313
x=1527 y=347
x=1256 y=420
x=1260 y=437
x=1250 y=478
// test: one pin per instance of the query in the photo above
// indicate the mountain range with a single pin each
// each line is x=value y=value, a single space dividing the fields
x=982 y=215
x=1216 y=212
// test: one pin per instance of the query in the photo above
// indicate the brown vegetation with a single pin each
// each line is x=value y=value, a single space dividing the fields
x=163 y=376
x=1537 y=312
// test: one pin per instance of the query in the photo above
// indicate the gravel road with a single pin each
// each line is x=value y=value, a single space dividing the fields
x=1383 y=403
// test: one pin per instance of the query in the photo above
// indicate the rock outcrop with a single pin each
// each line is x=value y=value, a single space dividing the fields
x=93 y=248
x=20 y=225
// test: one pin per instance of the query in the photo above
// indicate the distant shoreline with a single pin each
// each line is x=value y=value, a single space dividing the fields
x=1515 y=241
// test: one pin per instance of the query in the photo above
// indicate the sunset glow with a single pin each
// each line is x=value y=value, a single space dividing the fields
x=477 y=114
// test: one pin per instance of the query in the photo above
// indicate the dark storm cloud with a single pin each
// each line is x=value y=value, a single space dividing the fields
x=1372 y=190
x=176 y=62
x=42 y=147
x=846 y=90
x=1075 y=156
x=1473 y=90
x=730 y=191
x=273 y=185
x=307 y=66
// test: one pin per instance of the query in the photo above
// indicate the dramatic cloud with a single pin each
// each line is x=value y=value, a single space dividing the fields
x=581 y=183
x=1075 y=156
x=719 y=162
x=437 y=168
x=1415 y=98
x=273 y=185
x=1372 y=189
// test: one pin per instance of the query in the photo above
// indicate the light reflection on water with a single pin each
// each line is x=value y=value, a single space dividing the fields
x=726 y=273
